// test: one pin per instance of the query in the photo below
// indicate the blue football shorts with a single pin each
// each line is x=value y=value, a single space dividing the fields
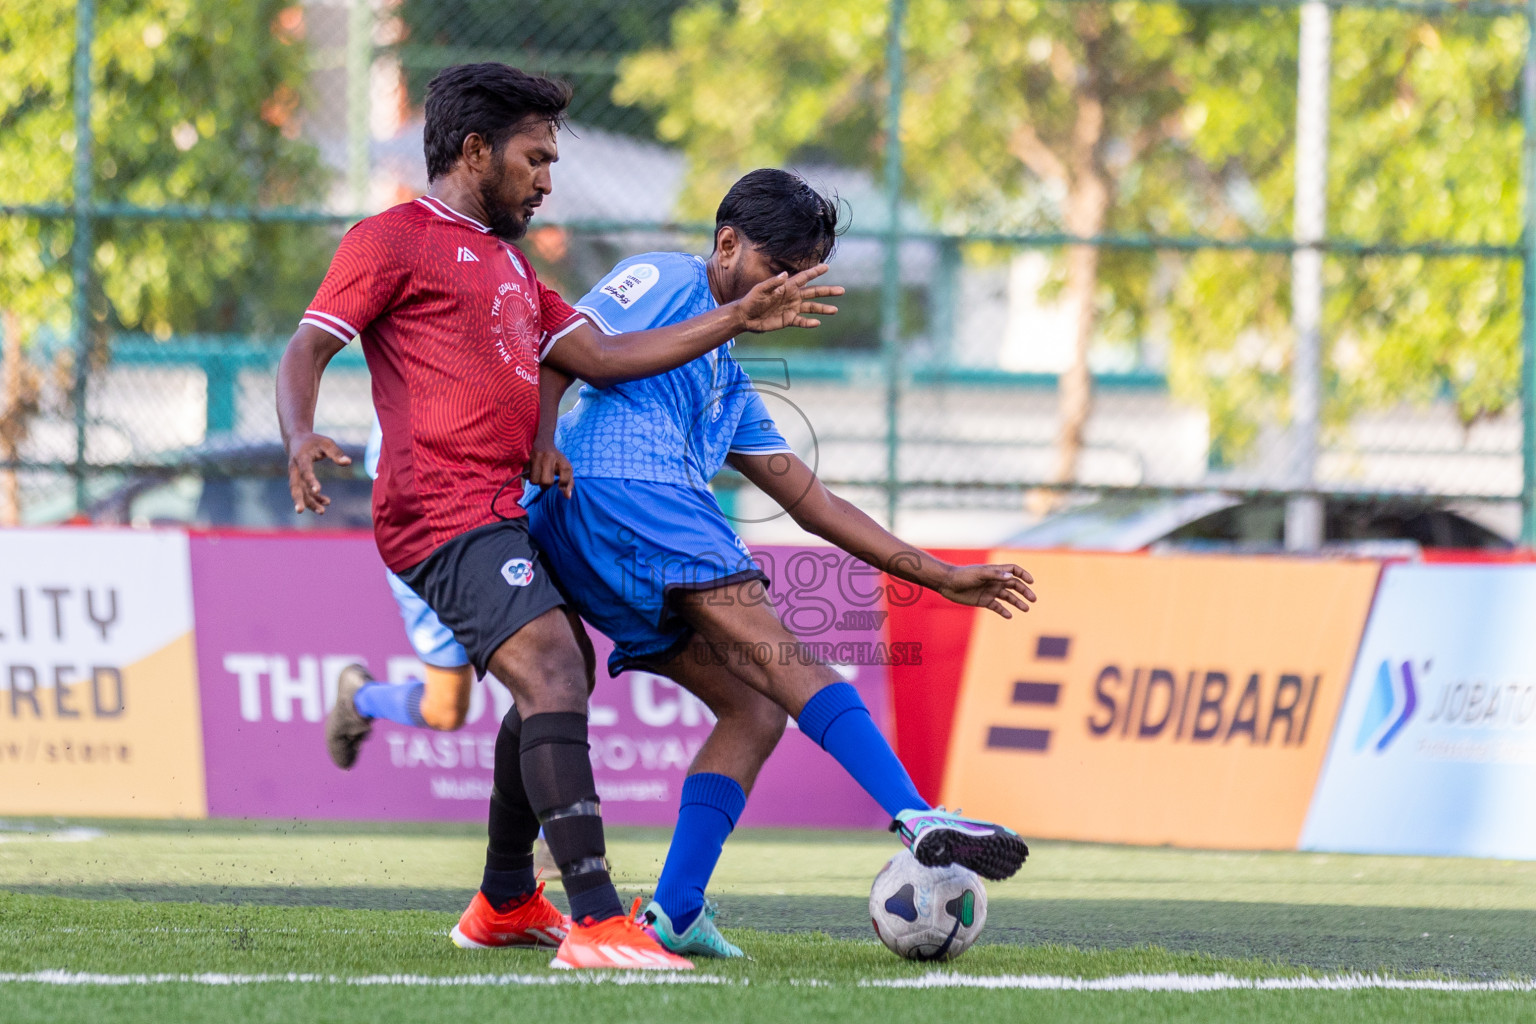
x=430 y=639
x=621 y=549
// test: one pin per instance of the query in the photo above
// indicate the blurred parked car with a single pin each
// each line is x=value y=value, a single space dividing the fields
x=1215 y=522
x=235 y=485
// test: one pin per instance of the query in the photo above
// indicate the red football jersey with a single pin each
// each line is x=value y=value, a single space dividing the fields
x=453 y=322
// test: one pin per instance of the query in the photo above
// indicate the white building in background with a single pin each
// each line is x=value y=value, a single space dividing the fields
x=1037 y=337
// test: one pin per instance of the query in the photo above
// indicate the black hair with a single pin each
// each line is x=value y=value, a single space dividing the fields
x=781 y=216
x=493 y=101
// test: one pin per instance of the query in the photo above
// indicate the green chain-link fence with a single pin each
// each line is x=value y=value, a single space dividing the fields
x=1140 y=247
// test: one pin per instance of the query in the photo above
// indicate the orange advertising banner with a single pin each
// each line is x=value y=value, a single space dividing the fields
x=1164 y=700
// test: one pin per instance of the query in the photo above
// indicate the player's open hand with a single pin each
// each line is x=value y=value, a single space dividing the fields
x=548 y=466
x=784 y=301
x=994 y=587
x=304 y=450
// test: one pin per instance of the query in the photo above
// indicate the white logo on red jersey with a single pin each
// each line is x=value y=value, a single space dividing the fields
x=465 y=256
x=512 y=326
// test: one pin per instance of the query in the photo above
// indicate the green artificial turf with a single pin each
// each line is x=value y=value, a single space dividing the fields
x=346 y=901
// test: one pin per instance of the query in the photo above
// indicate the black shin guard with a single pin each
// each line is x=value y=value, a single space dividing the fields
x=513 y=825
x=558 y=777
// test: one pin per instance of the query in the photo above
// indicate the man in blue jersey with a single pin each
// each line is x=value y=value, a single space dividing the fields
x=644 y=553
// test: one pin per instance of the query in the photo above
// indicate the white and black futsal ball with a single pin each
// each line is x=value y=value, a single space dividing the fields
x=925 y=913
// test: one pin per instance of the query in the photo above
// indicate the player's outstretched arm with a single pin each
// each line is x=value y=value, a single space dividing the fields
x=794 y=485
x=604 y=360
x=308 y=353
x=547 y=464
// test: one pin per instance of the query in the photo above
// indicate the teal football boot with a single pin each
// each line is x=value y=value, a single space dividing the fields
x=938 y=837
x=701 y=938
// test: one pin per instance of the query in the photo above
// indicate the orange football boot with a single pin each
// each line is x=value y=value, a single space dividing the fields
x=618 y=943
x=534 y=922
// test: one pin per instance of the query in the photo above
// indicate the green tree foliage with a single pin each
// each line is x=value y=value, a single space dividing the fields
x=1017 y=112
x=195 y=102
x=1424 y=146
x=580 y=41
x=754 y=86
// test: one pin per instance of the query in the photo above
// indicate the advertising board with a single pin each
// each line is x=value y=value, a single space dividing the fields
x=1182 y=700
x=1435 y=751
x=280 y=616
x=98 y=689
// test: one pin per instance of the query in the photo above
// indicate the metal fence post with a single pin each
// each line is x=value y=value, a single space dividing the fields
x=359 y=68
x=223 y=378
x=890 y=284
x=1304 y=526
x=80 y=246
x=1528 y=281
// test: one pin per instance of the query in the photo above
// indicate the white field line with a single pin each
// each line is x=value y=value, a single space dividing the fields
x=78 y=978
x=1175 y=983
x=219 y=930
x=1195 y=983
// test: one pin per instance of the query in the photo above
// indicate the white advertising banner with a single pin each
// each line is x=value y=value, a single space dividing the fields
x=98 y=686
x=1435 y=749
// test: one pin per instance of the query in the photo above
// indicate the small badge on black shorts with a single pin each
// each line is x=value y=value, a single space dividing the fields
x=518 y=572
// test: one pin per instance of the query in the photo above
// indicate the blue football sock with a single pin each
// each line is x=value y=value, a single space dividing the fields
x=710 y=806
x=838 y=721
x=397 y=702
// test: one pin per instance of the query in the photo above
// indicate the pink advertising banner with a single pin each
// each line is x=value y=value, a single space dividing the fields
x=279 y=616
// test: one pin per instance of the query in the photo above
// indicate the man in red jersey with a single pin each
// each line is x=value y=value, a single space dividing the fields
x=454 y=324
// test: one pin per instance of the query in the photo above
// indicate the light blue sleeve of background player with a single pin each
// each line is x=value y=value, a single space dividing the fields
x=756 y=433
x=375 y=446
x=653 y=289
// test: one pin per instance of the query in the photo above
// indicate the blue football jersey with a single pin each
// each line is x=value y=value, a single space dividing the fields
x=677 y=427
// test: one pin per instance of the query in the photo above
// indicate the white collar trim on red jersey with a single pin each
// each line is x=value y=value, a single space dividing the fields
x=447 y=212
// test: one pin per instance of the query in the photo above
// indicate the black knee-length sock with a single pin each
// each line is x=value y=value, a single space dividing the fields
x=557 y=775
x=513 y=825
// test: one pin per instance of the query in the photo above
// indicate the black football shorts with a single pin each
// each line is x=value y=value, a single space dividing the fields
x=485 y=585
